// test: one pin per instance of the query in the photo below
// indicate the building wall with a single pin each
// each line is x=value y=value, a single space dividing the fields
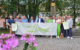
x=44 y=15
x=78 y=19
x=2 y=22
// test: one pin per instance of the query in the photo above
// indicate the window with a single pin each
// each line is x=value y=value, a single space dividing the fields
x=47 y=14
x=42 y=14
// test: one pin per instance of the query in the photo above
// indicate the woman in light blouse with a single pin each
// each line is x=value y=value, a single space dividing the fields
x=58 y=21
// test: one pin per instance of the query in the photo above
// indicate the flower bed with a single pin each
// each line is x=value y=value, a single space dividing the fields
x=30 y=42
x=10 y=41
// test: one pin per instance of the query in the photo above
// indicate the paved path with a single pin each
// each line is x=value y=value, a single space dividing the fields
x=54 y=44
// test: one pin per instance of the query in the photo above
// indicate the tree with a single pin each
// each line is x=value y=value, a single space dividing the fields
x=59 y=6
x=2 y=3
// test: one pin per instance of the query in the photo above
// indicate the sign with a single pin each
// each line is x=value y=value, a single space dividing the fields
x=14 y=27
x=52 y=4
x=66 y=25
x=37 y=28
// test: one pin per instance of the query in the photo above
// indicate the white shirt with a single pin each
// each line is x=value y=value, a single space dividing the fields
x=70 y=22
x=39 y=20
x=53 y=20
x=31 y=21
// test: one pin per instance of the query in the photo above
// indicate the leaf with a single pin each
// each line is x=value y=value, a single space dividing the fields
x=30 y=47
x=34 y=48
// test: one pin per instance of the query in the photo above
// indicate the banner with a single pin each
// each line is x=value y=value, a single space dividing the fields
x=66 y=25
x=14 y=27
x=37 y=28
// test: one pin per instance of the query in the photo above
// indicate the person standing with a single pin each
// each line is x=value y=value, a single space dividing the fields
x=31 y=20
x=17 y=19
x=10 y=21
x=70 y=27
x=66 y=17
x=62 y=28
x=54 y=20
x=40 y=20
x=24 y=20
x=50 y=21
x=58 y=21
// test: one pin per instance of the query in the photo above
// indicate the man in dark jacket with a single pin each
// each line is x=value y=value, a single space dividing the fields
x=31 y=20
x=40 y=20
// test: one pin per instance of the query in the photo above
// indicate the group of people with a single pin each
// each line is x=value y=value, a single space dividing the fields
x=60 y=29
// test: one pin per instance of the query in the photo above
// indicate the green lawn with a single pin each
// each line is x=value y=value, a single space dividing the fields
x=4 y=31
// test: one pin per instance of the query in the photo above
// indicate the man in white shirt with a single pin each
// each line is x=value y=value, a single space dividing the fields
x=40 y=20
x=54 y=20
x=70 y=27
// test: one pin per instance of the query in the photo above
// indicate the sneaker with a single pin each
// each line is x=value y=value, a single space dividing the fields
x=51 y=37
x=68 y=37
x=71 y=37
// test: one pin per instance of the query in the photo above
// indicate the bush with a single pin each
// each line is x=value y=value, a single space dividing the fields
x=77 y=23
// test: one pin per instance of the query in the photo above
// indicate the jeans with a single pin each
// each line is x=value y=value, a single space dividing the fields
x=70 y=32
x=65 y=32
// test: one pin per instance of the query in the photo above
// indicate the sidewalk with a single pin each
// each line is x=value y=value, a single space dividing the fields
x=54 y=44
x=76 y=32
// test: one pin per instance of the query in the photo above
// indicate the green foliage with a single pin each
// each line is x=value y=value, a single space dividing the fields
x=11 y=9
x=31 y=8
x=77 y=23
x=47 y=5
x=32 y=48
x=26 y=46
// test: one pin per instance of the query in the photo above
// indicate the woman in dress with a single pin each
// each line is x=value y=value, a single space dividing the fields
x=58 y=21
x=62 y=28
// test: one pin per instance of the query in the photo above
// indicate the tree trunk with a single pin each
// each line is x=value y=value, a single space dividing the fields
x=74 y=15
x=14 y=14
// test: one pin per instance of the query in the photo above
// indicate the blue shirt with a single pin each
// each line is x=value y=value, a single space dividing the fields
x=17 y=20
x=32 y=21
x=24 y=20
x=10 y=21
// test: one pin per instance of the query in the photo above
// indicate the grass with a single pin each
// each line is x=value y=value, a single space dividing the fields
x=4 y=31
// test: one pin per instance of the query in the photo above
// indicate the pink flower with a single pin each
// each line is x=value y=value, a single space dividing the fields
x=1 y=48
x=29 y=39
x=6 y=47
x=8 y=41
x=12 y=42
x=22 y=38
x=35 y=44
x=1 y=42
